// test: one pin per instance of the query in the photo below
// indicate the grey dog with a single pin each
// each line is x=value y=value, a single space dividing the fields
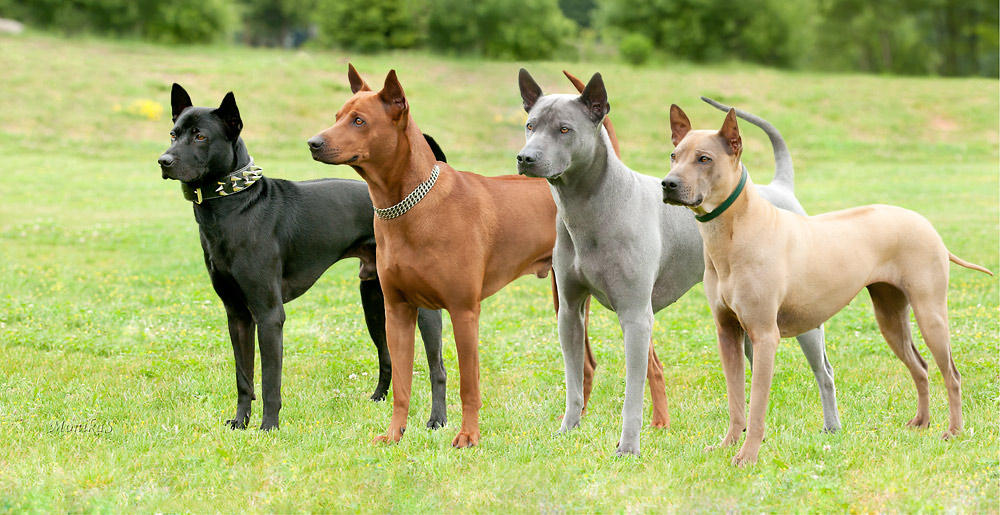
x=617 y=241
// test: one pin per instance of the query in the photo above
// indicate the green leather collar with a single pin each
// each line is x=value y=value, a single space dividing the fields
x=232 y=183
x=726 y=203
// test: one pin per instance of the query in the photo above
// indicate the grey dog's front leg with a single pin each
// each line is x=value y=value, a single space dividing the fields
x=638 y=329
x=571 y=338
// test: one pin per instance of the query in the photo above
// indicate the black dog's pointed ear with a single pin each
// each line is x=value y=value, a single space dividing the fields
x=595 y=99
x=438 y=153
x=530 y=90
x=230 y=116
x=357 y=83
x=179 y=100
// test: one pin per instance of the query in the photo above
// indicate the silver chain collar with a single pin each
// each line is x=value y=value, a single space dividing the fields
x=411 y=200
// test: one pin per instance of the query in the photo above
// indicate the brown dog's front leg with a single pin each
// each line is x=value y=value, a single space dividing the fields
x=730 y=336
x=657 y=390
x=765 y=347
x=400 y=323
x=466 y=326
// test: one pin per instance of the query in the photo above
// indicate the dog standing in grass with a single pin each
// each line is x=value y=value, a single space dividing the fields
x=772 y=274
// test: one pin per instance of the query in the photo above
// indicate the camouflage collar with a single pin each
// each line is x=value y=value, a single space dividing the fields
x=232 y=183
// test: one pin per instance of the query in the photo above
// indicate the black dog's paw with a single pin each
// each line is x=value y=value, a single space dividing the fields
x=437 y=421
x=378 y=396
x=269 y=423
x=240 y=421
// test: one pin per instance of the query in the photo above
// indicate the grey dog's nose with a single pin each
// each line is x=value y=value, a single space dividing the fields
x=166 y=160
x=670 y=183
x=526 y=159
x=316 y=142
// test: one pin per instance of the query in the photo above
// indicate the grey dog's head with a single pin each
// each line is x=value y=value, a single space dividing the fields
x=562 y=131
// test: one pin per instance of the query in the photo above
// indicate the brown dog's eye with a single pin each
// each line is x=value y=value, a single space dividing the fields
x=358 y=122
x=704 y=159
x=199 y=137
x=564 y=130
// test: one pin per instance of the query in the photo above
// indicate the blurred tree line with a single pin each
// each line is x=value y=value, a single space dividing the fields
x=942 y=37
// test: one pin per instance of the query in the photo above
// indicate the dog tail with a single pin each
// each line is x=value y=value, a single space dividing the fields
x=438 y=153
x=961 y=262
x=607 y=121
x=784 y=172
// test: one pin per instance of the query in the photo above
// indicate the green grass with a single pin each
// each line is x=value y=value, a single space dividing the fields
x=107 y=315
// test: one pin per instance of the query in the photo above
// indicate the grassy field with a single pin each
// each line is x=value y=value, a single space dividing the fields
x=107 y=317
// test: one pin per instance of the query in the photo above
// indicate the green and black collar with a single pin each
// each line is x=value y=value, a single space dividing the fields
x=725 y=203
x=232 y=183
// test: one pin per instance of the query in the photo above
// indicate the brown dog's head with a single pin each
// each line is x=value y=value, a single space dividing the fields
x=705 y=165
x=369 y=126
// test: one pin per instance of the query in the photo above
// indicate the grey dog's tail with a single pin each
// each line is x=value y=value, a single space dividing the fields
x=784 y=172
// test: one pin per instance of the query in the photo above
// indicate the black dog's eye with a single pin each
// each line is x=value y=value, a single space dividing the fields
x=199 y=137
x=564 y=130
x=530 y=127
x=173 y=136
x=704 y=159
x=358 y=122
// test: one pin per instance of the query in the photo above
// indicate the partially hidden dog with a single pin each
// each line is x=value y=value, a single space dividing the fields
x=445 y=238
x=771 y=273
x=618 y=242
x=266 y=241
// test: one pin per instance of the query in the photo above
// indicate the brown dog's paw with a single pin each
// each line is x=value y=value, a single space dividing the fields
x=392 y=436
x=465 y=439
x=660 y=422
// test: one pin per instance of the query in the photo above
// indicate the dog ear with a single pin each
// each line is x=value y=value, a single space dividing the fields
x=438 y=153
x=179 y=100
x=393 y=97
x=357 y=83
x=530 y=90
x=230 y=116
x=679 y=124
x=730 y=132
x=595 y=98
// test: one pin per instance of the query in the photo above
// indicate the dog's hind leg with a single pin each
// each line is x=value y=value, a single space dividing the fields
x=814 y=347
x=893 y=316
x=241 y=332
x=572 y=339
x=931 y=312
x=373 y=304
x=429 y=322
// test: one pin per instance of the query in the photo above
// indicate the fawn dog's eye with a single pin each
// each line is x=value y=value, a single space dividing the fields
x=704 y=159
x=358 y=122
x=673 y=156
x=564 y=130
x=530 y=127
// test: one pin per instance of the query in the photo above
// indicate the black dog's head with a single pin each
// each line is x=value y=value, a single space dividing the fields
x=203 y=141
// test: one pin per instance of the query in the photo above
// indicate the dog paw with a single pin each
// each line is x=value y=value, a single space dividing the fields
x=660 y=424
x=437 y=421
x=920 y=421
x=741 y=460
x=390 y=437
x=268 y=424
x=378 y=396
x=950 y=433
x=630 y=449
x=731 y=439
x=465 y=439
x=831 y=429
x=240 y=421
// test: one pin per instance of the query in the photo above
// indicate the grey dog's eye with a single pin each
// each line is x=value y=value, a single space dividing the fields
x=530 y=127
x=564 y=130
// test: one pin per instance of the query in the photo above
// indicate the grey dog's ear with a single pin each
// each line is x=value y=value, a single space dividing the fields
x=530 y=90
x=179 y=100
x=595 y=99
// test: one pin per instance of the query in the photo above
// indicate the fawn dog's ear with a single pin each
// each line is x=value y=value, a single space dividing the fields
x=595 y=99
x=530 y=90
x=179 y=100
x=730 y=132
x=357 y=83
x=679 y=124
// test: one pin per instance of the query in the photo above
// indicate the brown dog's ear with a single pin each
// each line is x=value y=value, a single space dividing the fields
x=530 y=90
x=179 y=100
x=679 y=124
x=393 y=97
x=357 y=83
x=595 y=98
x=730 y=132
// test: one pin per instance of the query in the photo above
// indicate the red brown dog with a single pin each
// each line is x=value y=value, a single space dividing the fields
x=445 y=239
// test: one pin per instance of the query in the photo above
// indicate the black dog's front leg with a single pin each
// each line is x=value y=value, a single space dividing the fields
x=269 y=333
x=374 y=306
x=241 y=332
x=429 y=323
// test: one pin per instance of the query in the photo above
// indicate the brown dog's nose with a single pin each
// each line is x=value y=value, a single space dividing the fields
x=316 y=143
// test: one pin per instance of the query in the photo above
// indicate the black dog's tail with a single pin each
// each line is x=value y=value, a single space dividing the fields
x=438 y=153
x=783 y=170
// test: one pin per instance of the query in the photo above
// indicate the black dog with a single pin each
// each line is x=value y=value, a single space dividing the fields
x=266 y=242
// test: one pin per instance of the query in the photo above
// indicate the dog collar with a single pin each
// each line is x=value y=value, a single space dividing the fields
x=726 y=203
x=232 y=183
x=411 y=200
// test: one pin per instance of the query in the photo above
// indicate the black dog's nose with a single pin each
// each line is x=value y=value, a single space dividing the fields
x=526 y=159
x=316 y=142
x=670 y=183
x=166 y=160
